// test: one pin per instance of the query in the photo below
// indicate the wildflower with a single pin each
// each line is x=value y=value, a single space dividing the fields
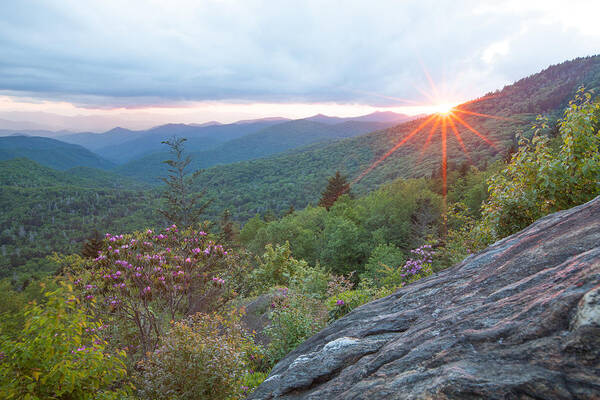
x=340 y=302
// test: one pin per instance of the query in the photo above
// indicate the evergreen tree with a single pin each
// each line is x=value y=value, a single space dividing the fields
x=182 y=208
x=228 y=233
x=269 y=216
x=336 y=187
x=92 y=246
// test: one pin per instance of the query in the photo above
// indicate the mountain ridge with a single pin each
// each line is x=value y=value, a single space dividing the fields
x=50 y=152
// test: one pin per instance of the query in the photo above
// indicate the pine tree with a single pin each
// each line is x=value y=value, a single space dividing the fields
x=92 y=246
x=228 y=233
x=182 y=208
x=269 y=216
x=336 y=186
x=290 y=211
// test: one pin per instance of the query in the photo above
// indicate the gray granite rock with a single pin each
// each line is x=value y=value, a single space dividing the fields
x=520 y=320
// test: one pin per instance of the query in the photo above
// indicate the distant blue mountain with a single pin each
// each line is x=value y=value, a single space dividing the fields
x=50 y=152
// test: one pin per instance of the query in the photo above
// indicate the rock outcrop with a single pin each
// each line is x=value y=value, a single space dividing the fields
x=520 y=320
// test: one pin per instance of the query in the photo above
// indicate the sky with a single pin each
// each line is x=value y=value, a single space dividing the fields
x=92 y=65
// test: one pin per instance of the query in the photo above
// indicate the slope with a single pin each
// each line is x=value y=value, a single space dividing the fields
x=43 y=210
x=50 y=152
x=298 y=176
x=519 y=320
x=122 y=145
x=272 y=140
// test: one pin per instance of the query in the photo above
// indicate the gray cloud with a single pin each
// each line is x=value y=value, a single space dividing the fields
x=107 y=53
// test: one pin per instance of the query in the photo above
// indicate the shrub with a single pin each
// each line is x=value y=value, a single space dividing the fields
x=544 y=177
x=344 y=302
x=60 y=355
x=415 y=268
x=382 y=256
x=252 y=380
x=294 y=318
x=276 y=268
x=311 y=281
x=144 y=280
x=459 y=242
x=388 y=279
x=202 y=357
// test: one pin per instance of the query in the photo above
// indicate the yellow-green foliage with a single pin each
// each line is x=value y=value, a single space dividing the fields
x=294 y=318
x=384 y=258
x=344 y=302
x=276 y=267
x=59 y=355
x=543 y=176
x=252 y=380
x=203 y=357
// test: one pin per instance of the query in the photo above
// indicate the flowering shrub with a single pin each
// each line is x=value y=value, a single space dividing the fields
x=294 y=318
x=252 y=380
x=419 y=266
x=59 y=354
x=415 y=268
x=342 y=303
x=146 y=279
x=389 y=279
x=384 y=254
x=202 y=357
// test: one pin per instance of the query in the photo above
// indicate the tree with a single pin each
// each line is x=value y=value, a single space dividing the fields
x=228 y=231
x=290 y=211
x=182 y=206
x=546 y=174
x=92 y=246
x=336 y=186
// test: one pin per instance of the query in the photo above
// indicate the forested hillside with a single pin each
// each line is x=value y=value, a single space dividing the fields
x=272 y=140
x=50 y=152
x=44 y=210
x=39 y=201
x=122 y=145
x=297 y=177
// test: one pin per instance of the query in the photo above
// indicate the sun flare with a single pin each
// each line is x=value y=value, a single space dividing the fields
x=444 y=108
x=445 y=119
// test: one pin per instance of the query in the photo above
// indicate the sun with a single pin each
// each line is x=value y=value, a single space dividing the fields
x=446 y=119
x=443 y=108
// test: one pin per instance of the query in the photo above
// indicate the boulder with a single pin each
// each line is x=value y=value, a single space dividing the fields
x=520 y=320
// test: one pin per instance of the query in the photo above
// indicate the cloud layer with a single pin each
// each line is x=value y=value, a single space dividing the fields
x=139 y=53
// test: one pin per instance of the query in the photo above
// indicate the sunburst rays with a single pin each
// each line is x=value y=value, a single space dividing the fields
x=448 y=120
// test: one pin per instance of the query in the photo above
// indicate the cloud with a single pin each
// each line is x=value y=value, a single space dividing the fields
x=114 y=53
